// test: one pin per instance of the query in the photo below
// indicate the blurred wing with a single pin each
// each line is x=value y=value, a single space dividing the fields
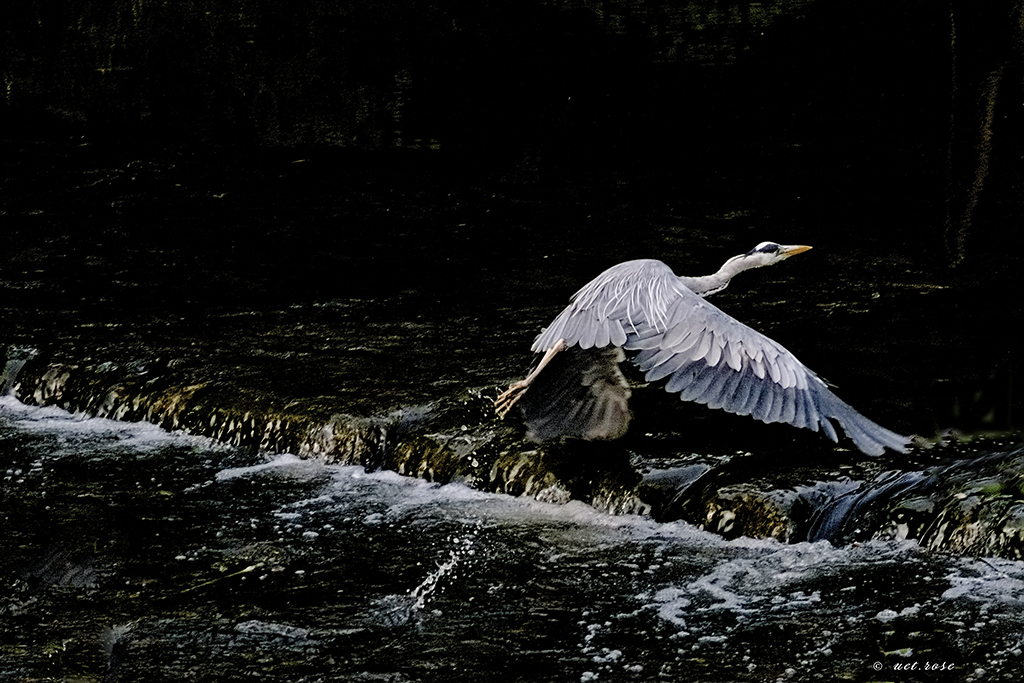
x=704 y=354
x=582 y=394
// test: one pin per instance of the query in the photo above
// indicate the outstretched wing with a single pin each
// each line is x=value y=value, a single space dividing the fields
x=704 y=354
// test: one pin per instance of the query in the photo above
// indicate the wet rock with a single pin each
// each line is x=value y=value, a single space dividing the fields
x=972 y=506
x=846 y=510
x=737 y=511
x=666 y=489
x=968 y=506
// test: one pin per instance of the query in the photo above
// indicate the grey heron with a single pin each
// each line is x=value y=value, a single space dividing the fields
x=669 y=330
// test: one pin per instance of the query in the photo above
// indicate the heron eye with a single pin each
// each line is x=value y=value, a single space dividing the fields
x=764 y=248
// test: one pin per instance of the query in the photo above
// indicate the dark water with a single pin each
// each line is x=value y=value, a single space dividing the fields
x=154 y=556
x=322 y=248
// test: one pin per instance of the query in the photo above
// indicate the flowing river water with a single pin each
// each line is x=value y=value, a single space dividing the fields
x=135 y=554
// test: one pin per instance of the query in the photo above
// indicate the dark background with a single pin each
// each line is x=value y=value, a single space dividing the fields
x=872 y=107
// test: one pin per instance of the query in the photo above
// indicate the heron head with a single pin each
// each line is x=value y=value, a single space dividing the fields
x=768 y=253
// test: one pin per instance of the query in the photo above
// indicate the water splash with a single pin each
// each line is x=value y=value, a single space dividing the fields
x=462 y=553
x=400 y=610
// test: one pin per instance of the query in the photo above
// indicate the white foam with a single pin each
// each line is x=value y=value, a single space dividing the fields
x=54 y=420
x=762 y=577
x=278 y=462
x=266 y=628
x=990 y=580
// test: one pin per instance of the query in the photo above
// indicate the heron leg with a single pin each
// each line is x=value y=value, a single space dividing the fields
x=510 y=396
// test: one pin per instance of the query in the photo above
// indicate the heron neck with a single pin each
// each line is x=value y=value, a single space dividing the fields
x=706 y=285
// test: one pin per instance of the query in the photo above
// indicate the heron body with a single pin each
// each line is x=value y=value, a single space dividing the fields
x=662 y=322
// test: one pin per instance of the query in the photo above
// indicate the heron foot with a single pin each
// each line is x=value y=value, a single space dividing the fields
x=510 y=397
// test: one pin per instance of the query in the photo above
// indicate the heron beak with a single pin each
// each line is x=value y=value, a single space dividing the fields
x=792 y=250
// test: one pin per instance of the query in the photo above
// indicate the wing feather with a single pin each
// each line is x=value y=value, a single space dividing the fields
x=702 y=379
x=727 y=390
x=588 y=334
x=764 y=407
x=677 y=330
x=830 y=431
x=799 y=410
x=741 y=398
x=788 y=412
x=687 y=343
x=733 y=353
x=701 y=348
x=670 y=364
x=682 y=378
x=756 y=387
x=758 y=368
x=715 y=351
x=617 y=335
x=638 y=343
x=653 y=363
